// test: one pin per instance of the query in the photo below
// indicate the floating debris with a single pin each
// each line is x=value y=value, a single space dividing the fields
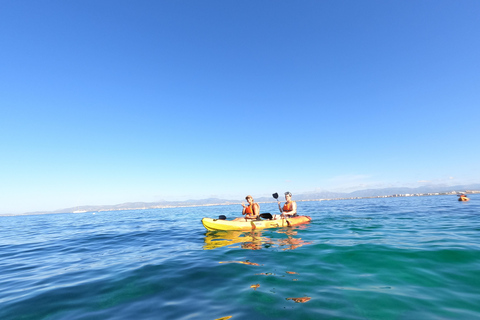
x=300 y=300
x=265 y=274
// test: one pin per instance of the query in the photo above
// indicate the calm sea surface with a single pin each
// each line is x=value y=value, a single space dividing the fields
x=393 y=258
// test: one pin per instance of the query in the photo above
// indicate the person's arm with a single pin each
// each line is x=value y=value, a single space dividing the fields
x=256 y=210
x=243 y=210
x=279 y=208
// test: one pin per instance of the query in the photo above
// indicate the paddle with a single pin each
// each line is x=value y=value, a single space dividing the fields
x=275 y=195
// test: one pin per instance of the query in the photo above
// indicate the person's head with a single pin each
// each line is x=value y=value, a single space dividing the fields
x=249 y=198
x=288 y=195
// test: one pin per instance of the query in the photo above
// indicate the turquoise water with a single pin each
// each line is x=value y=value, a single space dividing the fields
x=392 y=258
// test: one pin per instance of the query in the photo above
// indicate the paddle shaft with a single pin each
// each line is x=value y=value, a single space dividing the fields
x=275 y=195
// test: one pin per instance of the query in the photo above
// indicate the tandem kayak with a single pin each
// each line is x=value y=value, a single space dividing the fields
x=219 y=224
x=463 y=199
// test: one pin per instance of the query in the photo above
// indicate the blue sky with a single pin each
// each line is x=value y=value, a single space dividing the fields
x=106 y=102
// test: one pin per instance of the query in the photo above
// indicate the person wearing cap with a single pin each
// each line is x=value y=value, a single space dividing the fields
x=251 y=211
x=289 y=208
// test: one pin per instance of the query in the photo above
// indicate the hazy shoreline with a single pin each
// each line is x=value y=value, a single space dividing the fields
x=220 y=202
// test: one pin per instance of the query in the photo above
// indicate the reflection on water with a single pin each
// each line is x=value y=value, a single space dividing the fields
x=300 y=300
x=255 y=286
x=291 y=242
x=242 y=262
x=253 y=240
x=217 y=239
x=280 y=239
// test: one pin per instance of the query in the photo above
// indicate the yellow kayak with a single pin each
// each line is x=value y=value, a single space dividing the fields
x=219 y=224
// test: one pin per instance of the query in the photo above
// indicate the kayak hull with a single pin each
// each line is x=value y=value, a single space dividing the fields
x=463 y=199
x=218 y=224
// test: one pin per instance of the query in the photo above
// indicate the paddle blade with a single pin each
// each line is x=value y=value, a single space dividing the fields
x=266 y=215
x=275 y=195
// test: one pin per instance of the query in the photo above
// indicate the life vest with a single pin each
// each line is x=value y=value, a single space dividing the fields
x=287 y=207
x=249 y=210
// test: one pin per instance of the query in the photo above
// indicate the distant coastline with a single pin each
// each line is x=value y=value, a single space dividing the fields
x=404 y=195
x=320 y=196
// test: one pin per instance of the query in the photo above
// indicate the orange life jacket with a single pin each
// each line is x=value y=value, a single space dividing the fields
x=287 y=207
x=249 y=210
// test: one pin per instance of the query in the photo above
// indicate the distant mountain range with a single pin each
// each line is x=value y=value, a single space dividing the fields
x=323 y=195
x=388 y=192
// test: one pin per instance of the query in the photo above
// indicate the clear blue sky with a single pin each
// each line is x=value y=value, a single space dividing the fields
x=106 y=102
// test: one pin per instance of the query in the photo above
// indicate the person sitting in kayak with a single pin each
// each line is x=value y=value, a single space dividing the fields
x=463 y=197
x=251 y=211
x=289 y=208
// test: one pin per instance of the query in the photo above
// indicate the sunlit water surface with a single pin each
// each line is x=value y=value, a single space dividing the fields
x=393 y=258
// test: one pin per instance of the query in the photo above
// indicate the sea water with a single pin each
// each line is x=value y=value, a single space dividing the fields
x=386 y=258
